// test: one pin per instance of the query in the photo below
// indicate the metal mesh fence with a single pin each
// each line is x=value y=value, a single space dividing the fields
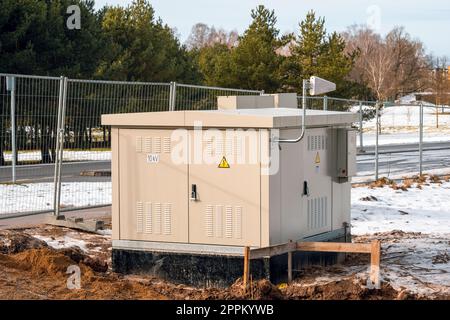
x=88 y=100
x=5 y=129
x=436 y=134
x=85 y=172
x=191 y=97
x=334 y=104
x=26 y=166
x=86 y=169
x=410 y=142
x=312 y=103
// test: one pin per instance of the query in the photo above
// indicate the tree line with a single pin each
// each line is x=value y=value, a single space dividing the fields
x=130 y=43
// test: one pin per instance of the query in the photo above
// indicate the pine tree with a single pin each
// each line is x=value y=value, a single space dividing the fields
x=34 y=38
x=335 y=65
x=310 y=45
x=214 y=63
x=142 y=47
x=255 y=62
x=316 y=53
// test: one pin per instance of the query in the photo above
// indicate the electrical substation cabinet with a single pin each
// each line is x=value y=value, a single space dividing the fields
x=215 y=181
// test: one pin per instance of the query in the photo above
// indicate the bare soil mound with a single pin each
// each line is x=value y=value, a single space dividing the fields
x=12 y=241
x=41 y=273
x=30 y=269
x=346 y=289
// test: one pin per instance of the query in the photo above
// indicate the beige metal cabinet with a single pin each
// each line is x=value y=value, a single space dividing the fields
x=302 y=189
x=202 y=206
x=227 y=208
x=153 y=193
x=316 y=191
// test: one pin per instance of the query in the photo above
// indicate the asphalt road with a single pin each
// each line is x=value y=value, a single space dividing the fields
x=396 y=160
x=412 y=147
x=393 y=159
x=45 y=172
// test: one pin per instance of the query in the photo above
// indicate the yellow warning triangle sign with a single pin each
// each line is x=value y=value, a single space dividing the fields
x=224 y=164
x=317 y=158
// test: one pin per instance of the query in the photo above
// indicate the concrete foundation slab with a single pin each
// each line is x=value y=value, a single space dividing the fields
x=203 y=269
x=75 y=223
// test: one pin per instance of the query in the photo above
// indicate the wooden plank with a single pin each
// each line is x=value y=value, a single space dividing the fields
x=272 y=250
x=246 y=267
x=334 y=247
x=375 y=258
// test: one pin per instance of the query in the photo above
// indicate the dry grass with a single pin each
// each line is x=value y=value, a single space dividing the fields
x=407 y=182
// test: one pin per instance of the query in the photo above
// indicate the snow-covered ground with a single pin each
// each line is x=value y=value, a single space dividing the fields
x=408 y=99
x=416 y=258
x=425 y=210
x=39 y=196
x=407 y=118
x=418 y=263
x=400 y=124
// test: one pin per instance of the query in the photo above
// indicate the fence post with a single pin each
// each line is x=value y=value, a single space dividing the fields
x=62 y=101
x=421 y=139
x=376 y=139
x=261 y=93
x=325 y=103
x=11 y=86
x=361 y=146
x=172 y=94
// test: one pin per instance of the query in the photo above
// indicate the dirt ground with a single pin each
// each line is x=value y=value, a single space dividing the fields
x=34 y=262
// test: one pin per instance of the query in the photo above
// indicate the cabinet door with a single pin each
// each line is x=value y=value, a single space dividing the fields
x=227 y=208
x=317 y=172
x=153 y=189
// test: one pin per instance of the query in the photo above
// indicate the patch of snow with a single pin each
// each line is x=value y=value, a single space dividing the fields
x=105 y=232
x=415 y=210
x=413 y=264
x=408 y=99
x=355 y=108
x=407 y=118
x=39 y=196
x=63 y=243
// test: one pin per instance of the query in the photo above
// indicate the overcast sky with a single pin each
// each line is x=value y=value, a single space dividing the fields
x=427 y=20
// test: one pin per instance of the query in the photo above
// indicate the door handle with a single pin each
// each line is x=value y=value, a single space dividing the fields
x=305 y=188
x=194 y=194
